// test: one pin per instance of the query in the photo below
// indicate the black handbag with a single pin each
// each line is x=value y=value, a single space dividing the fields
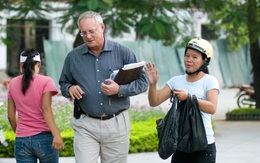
x=192 y=135
x=167 y=130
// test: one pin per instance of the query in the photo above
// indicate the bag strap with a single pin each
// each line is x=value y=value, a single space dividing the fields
x=171 y=98
x=195 y=102
x=189 y=101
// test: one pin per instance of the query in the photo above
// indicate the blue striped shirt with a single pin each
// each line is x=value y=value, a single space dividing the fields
x=83 y=68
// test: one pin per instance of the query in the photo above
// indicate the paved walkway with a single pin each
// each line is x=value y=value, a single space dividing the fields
x=236 y=141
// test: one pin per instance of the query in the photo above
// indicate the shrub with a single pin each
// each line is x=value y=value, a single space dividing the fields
x=67 y=137
x=143 y=136
x=3 y=115
x=143 y=113
x=243 y=114
x=63 y=113
x=8 y=151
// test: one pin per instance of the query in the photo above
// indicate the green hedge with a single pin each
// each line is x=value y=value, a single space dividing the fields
x=8 y=151
x=243 y=114
x=143 y=138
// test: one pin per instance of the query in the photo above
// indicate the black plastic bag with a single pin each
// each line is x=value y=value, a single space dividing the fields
x=167 y=129
x=192 y=135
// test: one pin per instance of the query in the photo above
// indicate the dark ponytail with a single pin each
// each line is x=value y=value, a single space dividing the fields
x=28 y=68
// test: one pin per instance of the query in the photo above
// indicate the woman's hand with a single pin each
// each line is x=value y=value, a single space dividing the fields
x=181 y=95
x=57 y=143
x=152 y=73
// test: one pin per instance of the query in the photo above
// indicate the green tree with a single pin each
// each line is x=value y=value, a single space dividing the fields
x=23 y=12
x=240 y=22
x=151 y=19
x=154 y=19
x=159 y=20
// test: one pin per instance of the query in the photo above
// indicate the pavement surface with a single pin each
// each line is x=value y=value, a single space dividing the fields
x=236 y=141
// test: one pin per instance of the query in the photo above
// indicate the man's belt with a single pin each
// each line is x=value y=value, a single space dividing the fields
x=104 y=116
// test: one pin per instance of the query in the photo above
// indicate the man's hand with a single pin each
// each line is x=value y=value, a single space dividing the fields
x=75 y=92
x=110 y=88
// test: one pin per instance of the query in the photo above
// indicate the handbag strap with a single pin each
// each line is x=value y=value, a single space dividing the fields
x=194 y=100
x=171 y=98
x=189 y=101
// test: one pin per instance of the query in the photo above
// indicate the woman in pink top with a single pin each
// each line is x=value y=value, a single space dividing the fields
x=30 y=95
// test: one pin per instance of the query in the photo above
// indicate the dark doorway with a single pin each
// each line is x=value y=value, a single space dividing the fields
x=22 y=34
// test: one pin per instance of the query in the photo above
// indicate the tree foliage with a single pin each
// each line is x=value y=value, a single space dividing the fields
x=239 y=21
x=154 y=19
x=230 y=18
x=150 y=19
